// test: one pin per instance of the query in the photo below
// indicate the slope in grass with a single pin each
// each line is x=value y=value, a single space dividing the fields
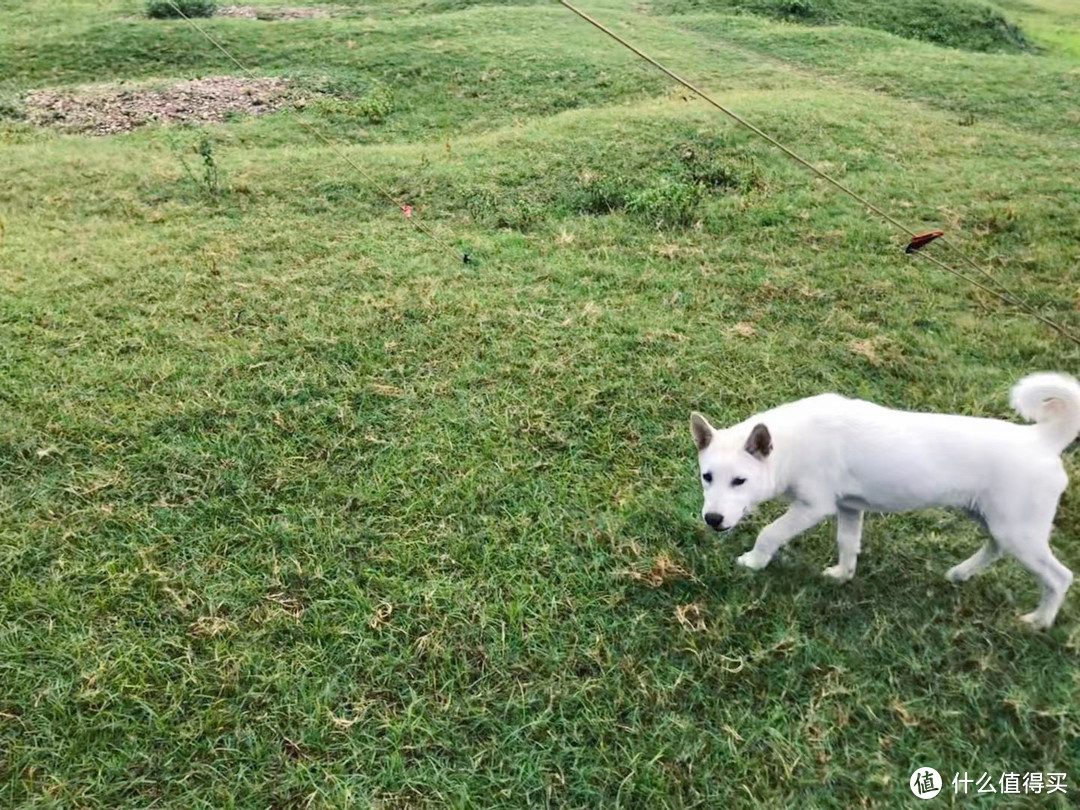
x=442 y=74
x=1032 y=93
x=961 y=24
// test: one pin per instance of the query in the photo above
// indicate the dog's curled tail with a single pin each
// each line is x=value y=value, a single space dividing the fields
x=1052 y=402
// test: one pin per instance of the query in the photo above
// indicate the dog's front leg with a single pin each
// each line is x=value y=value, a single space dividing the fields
x=796 y=520
x=848 y=537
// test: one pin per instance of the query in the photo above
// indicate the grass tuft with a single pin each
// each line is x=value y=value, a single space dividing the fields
x=178 y=9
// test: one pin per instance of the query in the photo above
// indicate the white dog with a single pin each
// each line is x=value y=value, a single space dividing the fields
x=829 y=455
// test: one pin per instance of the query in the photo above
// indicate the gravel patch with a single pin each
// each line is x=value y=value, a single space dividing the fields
x=264 y=13
x=113 y=108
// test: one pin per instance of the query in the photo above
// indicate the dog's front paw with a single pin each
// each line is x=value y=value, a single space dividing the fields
x=839 y=573
x=958 y=574
x=1036 y=620
x=753 y=560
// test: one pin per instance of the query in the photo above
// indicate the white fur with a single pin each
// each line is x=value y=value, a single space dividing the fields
x=836 y=456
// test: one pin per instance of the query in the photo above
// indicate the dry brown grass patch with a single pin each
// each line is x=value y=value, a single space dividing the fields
x=108 y=109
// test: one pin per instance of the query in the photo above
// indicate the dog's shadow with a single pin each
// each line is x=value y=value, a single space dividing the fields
x=899 y=586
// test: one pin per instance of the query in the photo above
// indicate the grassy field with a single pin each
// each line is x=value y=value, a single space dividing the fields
x=298 y=510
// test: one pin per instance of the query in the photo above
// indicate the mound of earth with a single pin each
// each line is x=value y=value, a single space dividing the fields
x=113 y=108
x=965 y=24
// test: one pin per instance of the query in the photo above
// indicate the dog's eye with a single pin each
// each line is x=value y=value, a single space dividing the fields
x=708 y=478
x=738 y=482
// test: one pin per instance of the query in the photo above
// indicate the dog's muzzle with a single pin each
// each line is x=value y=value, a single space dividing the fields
x=716 y=522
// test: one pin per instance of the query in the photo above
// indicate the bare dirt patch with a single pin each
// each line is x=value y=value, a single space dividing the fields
x=111 y=109
x=263 y=13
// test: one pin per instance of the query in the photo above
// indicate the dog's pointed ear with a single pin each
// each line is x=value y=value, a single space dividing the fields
x=701 y=429
x=759 y=445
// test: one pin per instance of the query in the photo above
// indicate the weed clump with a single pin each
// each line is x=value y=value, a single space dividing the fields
x=599 y=195
x=377 y=105
x=797 y=9
x=669 y=202
x=514 y=212
x=208 y=177
x=344 y=105
x=717 y=170
x=675 y=195
x=11 y=108
x=177 y=9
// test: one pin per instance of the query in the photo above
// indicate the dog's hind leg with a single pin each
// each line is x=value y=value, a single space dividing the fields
x=976 y=562
x=1055 y=579
x=848 y=539
x=1029 y=542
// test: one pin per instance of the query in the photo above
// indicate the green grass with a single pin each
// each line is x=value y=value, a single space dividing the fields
x=962 y=24
x=1053 y=22
x=299 y=510
x=179 y=9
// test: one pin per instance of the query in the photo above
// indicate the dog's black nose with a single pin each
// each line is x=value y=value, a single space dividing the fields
x=715 y=520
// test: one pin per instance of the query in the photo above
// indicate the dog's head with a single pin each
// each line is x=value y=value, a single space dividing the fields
x=734 y=470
